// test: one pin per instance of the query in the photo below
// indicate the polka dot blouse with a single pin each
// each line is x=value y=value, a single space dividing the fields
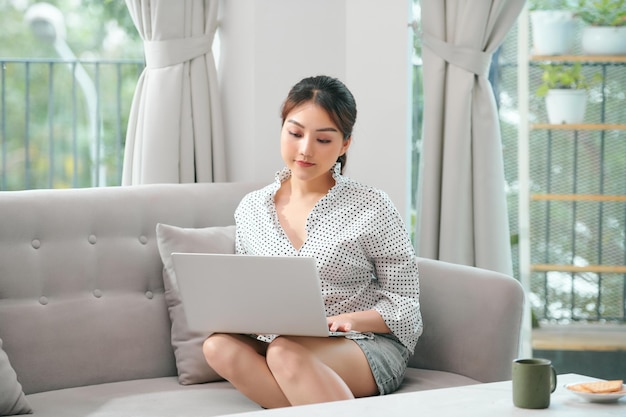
x=364 y=256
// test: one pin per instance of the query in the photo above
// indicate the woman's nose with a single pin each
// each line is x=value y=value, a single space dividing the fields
x=306 y=146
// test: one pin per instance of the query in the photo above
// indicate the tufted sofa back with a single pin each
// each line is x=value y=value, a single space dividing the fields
x=81 y=290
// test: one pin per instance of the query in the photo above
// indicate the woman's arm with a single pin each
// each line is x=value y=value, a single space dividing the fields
x=395 y=265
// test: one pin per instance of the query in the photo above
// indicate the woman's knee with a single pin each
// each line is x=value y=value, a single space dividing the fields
x=285 y=357
x=218 y=351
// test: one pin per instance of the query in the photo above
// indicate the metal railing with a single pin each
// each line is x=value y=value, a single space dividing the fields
x=63 y=122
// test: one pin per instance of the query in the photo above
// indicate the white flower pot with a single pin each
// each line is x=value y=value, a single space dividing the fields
x=566 y=106
x=604 y=40
x=552 y=32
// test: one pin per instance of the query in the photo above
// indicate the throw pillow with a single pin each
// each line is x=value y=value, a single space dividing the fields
x=12 y=400
x=187 y=344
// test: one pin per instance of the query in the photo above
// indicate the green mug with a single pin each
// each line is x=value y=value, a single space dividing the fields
x=533 y=382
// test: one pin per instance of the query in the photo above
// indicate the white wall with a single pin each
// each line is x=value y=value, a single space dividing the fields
x=269 y=45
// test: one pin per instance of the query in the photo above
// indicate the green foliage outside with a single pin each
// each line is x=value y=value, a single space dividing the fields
x=591 y=12
x=48 y=133
x=95 y=29
x=550 y=4
x=602 y=12
x=565 y=76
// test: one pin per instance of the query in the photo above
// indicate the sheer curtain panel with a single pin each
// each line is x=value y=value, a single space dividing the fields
x=175 y=132
x=461 y=198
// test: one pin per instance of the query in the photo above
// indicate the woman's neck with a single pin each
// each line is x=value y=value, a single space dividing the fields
x=319 y=186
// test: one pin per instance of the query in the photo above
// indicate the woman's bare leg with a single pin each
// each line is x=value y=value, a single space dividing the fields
x=312 y=370
x=240 y=360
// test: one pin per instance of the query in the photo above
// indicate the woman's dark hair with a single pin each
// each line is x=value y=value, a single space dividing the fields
x=331 y=95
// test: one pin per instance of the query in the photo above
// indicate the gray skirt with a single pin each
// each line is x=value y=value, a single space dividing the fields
x=388 y=359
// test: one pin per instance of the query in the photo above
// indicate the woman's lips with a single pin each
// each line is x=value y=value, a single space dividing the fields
x=304 y=164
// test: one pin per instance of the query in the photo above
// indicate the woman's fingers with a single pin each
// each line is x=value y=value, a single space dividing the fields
x=335 y=325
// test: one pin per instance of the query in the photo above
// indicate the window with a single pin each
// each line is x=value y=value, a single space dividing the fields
x=576 y=246
x=68 y=71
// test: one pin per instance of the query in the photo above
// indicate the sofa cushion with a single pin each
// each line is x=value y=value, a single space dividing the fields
x=187 y=344
x=153 y=397
x=427 y=379
x=12 y=400
x=158 y=397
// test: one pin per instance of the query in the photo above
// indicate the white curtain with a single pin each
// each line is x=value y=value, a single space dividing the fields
x=461 y=199
x=175 y=131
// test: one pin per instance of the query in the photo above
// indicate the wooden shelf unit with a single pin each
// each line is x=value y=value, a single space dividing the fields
x=580 y=337
x=579 y=58
x=581 y=126
x=600 y=269
x=599 y=198
x=579 y=197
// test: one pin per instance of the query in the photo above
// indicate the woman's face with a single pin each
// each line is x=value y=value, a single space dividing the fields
x=311 y=142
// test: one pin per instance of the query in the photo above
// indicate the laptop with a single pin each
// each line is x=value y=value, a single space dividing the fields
x=226 y=293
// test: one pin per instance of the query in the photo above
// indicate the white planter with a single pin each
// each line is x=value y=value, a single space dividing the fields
x=604 y=40
x=552 y=32
x=566 y=106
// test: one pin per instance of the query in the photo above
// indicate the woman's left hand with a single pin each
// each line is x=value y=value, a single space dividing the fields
x=360 y=321
x=339 y=324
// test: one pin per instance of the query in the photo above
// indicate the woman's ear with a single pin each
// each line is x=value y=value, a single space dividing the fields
x=345 y=145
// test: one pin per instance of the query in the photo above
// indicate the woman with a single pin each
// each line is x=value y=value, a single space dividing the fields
x=365 y=259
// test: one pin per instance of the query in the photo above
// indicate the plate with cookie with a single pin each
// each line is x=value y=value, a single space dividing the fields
x=599 y=391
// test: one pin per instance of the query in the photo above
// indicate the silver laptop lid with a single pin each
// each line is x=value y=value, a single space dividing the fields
x=251 y=294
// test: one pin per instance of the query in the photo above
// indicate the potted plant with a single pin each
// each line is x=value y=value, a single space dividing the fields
x=564 y=87
x=553 y=24
x=605 y=30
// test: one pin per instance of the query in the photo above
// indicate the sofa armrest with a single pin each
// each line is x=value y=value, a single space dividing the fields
x=472 y=320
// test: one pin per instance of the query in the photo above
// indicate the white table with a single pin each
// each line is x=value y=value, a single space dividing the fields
x=483 y=400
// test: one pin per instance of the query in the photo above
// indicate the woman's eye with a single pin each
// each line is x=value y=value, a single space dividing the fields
x=295 y=134
x=323 y=140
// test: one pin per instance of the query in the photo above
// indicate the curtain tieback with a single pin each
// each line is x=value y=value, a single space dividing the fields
x=477 y=62
x=168 y=52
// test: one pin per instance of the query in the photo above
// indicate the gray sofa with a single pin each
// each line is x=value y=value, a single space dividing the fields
x=90 y=324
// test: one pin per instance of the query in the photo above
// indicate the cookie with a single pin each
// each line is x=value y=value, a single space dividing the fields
x=598 y=387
